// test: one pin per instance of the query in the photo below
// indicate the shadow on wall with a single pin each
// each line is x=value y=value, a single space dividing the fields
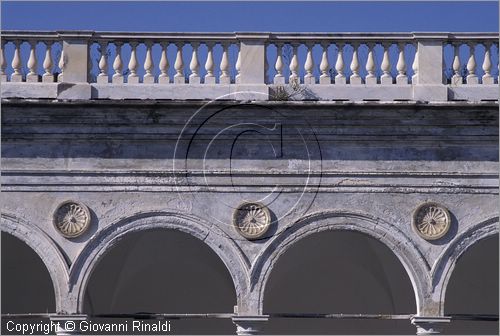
x=163 y=271
x=473 y=289
x=339 y=272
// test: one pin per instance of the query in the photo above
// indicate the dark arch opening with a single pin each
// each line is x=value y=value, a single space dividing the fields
x=163 y=271
x=473 y=288
x=26 y=283
x=339 y=272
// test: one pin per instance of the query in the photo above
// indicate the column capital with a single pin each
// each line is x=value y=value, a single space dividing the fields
x=249 y=324
x=429 y=325
x=68 y=324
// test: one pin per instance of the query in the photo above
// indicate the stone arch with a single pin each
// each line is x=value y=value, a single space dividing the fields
x=443 y=268
x=104 y=240
x=406 y=252
x=46 y=249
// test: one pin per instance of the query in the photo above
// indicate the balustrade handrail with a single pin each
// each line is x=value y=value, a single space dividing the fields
x=270 y=36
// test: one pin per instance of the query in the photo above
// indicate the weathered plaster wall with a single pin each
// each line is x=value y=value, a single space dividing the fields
x=186 y=165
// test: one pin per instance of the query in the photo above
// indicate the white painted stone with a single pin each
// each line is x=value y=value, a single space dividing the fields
x=179 y=65
x=355 y=78
x=474 y=93
x=102 y=77
x=224 y=66
x=16 y=64
x=32 y=75
x=430 y=93
x=340 y=78
x=163 y=78
x=149 y=77
x=278 y=66
x=133 y=77
x=401 y=78
x=294 y=66
x=487 y=77
x=429 y=325
x=65 y=323
x=117 y=65
x=385 y=66
x=48 y=77
x=429 y=63
x=194 y=65
x=251 y=55
x=74 y=91
x=457 y=78
x=249 y=325
x=324 y=66
x=209 y=65
x=29 y=90
x=471 y=67
x=309 y=67
x=75 y=59
x=371 y=78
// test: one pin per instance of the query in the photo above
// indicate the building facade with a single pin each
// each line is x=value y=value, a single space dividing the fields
x=270 y=192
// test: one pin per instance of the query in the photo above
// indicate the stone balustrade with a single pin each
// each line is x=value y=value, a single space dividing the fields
x=275 y=66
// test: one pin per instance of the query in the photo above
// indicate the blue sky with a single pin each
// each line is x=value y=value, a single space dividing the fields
x=304 y=16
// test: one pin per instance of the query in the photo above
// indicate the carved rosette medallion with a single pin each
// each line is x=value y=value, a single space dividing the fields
x=252 y=220
x=71 y=219
x=431 y=221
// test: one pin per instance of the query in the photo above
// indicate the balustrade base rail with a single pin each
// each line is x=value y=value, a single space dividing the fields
x=260 y=92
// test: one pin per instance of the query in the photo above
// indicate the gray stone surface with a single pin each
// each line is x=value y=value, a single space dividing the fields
x=138 y=165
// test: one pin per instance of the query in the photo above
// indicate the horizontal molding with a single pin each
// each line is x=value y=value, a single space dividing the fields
x=252 y=181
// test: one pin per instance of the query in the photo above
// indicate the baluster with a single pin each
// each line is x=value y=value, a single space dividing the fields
x=3 y=63
x=16 y=64
x=414 y=67
x=163 y=78
x=133 y=77
x=179 y=65
x=457 y=78
x=401 y=78
x=386 y=77
x=279 y=79
x=355 y=78
x=209 y=64
x=471 y=66
x=339 y=66
x=32 y=75
x=102 y=78
x=309 y=66
x=224 y=65
x=237 y=66
x=294 y=66
x=118 y=65
x=324 y=66
x=149 y=77
x=48 y=63
x=371 y=78
x=194 y=65
x=487 y=77
x=61 y=64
